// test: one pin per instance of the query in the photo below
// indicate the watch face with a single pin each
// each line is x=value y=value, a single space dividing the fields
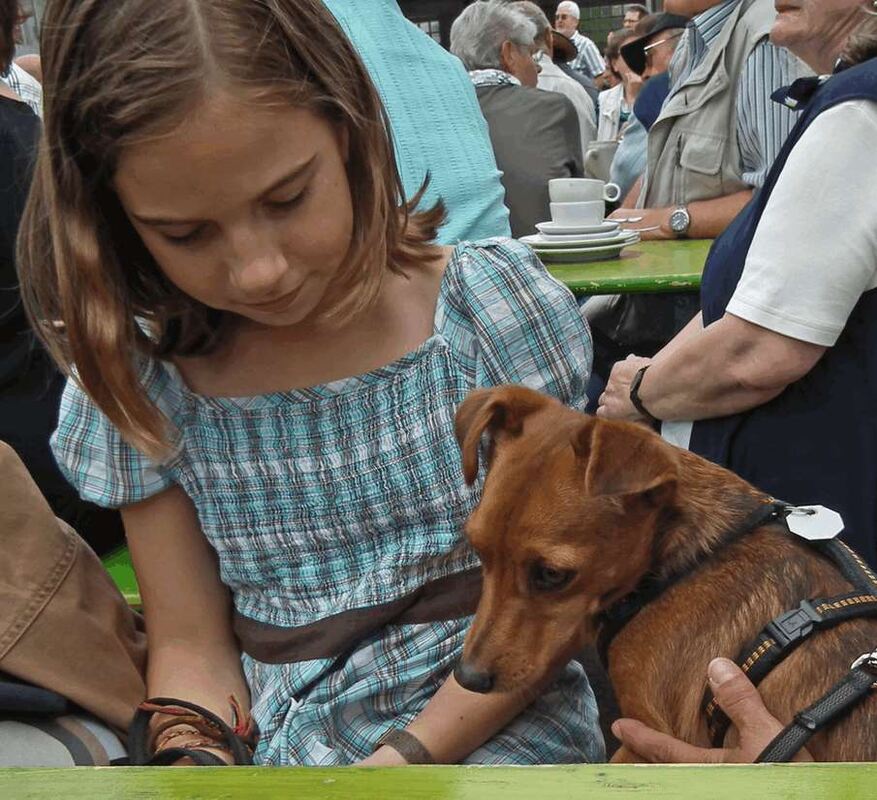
x=679 y=221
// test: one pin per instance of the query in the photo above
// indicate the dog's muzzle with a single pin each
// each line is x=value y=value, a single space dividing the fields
x=472 y=679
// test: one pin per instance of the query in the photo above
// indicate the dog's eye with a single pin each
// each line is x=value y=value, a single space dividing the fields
x=546 y=579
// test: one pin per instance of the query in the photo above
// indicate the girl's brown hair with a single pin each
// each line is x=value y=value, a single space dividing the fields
x=119 y=72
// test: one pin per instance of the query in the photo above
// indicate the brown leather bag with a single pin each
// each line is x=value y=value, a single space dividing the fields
x=63 y=624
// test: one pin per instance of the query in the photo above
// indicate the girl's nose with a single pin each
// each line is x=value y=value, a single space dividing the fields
x=257 y=266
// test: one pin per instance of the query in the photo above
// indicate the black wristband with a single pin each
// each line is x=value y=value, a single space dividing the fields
x=634 y=395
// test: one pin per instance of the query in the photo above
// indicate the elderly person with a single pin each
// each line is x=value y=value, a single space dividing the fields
x=616 y=104
x=535 y=134
x=711 y=147
x=552 y=78
x=588 y=61
x=647 y=53
x=633 y=14
x=779 y=372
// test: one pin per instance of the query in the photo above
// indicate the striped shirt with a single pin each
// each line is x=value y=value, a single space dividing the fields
x=588 y=61
x=26 y=87
x=762 y=125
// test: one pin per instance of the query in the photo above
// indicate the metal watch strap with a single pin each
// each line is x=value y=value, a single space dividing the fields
x=406 y=745
x=634 y=394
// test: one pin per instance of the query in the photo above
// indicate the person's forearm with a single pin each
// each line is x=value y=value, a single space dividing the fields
x=704 y=376
x=709 y=218
x=456 y=722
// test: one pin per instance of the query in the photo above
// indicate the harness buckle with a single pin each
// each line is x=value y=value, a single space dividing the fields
x=794 y=625
x=869 y=661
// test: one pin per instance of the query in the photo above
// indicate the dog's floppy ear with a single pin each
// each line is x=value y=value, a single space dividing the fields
x=498 y=410
x=626 y=459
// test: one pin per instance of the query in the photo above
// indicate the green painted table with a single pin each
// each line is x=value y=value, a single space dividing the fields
x=646 y=267
x=788 y=782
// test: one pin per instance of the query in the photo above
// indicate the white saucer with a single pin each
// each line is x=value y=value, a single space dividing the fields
x=582 y=255
x=552 y=228
x=541 y=241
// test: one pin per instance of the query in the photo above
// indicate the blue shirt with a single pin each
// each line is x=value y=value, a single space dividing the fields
x=437 y=125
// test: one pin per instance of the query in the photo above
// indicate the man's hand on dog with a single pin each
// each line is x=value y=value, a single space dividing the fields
x=739 y=699
x=615 y=402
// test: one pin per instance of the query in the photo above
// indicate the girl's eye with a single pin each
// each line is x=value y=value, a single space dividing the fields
x=291 y=202
x=186 y=238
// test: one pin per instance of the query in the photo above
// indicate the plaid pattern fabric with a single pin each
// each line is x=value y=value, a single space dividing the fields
x=26 y=87
x=350 y=494
x=588 y=61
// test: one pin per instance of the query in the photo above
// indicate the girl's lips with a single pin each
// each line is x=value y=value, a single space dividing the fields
x=280 y=304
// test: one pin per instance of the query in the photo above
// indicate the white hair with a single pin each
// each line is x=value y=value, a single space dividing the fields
x=568 y=7
x=535 y=14
x=477 y=35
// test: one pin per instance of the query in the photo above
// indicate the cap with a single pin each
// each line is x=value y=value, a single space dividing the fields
x=633 y=51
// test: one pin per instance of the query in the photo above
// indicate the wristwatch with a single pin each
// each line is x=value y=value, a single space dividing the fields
x=680 y=222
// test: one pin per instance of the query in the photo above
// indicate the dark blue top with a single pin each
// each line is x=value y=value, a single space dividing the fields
x=816 y=443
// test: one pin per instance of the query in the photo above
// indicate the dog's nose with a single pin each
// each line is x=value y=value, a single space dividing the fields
x=473 y=679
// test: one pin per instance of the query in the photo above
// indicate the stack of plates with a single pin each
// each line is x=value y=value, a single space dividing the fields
x=557 y=243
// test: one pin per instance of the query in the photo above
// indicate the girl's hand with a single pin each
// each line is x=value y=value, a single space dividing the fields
x=615 y=402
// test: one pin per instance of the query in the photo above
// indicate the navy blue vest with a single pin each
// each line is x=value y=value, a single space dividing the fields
x=816 y=443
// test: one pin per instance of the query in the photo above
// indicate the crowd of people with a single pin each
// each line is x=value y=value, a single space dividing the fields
x=267 y=246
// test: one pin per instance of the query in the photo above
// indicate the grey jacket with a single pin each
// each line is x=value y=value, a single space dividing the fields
x=693 y=149
x=535 y=137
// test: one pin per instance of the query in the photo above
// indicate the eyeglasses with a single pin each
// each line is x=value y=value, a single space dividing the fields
x=649 y=47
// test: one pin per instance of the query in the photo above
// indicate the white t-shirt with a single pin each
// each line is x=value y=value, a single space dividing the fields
x=815 y=250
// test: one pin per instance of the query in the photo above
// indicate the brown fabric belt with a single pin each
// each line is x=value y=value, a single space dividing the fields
x=444 y=599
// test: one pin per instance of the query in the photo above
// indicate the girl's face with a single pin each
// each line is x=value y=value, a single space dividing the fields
x=243 y=208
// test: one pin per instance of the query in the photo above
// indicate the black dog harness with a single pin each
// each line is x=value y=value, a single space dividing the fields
x=780 y=636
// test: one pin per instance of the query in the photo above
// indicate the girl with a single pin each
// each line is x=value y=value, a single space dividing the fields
x=268 y=352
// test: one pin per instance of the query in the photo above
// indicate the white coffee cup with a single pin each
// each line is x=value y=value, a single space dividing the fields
x=580 y=190
x=591 y=212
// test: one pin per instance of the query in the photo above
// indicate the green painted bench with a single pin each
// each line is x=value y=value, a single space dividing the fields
x=646 y=267
x=786 y=782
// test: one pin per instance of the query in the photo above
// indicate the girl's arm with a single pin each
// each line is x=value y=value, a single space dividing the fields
x=729 y=367
x=193 y=654
x=455 y=722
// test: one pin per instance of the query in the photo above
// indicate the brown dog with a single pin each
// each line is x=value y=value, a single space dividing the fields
x=576 y=510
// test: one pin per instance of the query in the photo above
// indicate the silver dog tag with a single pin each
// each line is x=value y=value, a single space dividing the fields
x=814 y=522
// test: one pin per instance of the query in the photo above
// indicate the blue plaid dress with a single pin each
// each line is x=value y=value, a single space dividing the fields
x=350 y=494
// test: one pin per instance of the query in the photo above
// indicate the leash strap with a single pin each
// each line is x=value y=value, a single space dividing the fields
x=845 y=695
x=787 y=631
